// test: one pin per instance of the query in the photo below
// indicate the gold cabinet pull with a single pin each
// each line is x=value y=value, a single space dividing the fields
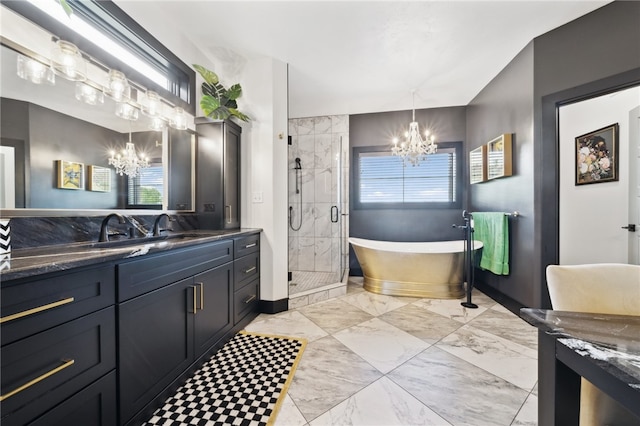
x=195 y=299
x=36 y=310
x=250 y=299
x=229 y=220
x=67 y=363
x=253 y=268
x=201 y=295
x=250 y=245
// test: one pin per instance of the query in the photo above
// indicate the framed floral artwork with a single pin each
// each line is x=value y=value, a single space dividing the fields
x=70 y=175
x=597 y=156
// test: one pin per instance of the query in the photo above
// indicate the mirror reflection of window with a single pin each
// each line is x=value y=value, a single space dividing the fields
x=146 y=191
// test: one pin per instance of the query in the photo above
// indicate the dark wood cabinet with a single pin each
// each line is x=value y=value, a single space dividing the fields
x=213 y=316
x=218 y=173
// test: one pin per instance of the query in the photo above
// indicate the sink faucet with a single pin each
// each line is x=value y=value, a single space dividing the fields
x=104 y=234
x=156 y=224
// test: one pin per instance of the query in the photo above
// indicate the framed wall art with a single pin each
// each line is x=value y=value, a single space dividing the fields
x=99 y=179
x=70 y=174
x=597 y=156
x=499 y=157
x=478 y=165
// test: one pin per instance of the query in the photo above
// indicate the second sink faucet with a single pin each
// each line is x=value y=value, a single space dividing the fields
x=156 y=224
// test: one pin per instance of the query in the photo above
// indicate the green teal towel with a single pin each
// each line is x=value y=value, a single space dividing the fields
x=493 y=230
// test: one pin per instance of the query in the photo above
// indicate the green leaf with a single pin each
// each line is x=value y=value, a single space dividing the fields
x=66 y=7
x=209 y=104
x=239 y=115
x=221 y=113
x=208 y=75
x=234 y=92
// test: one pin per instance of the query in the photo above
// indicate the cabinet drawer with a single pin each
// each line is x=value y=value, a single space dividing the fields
x=246 y=269
x=246 y=244
x=150 y=273
x=94 y=405
x=29 y=307
x=245 y=300
x=43 y=370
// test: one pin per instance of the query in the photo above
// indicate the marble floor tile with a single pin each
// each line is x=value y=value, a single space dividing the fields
x=328 y=374
x=508 y=326
x=348 y=315
x=290 y=323
x=421 y=323
x=458 y=391
x=450 y=308
x=381 y=344
x=528 y=414
x=481 y=299
x=381 y=403
x=289 y=415
x=510 y=361
x=374 y=304
x=498 y=307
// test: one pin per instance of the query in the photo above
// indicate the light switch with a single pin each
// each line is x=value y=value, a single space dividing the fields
x=257 y=197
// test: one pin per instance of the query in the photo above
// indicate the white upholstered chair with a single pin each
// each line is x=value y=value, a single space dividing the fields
x=605 y=288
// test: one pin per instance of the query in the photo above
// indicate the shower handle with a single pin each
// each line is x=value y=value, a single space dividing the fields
x=334 y=214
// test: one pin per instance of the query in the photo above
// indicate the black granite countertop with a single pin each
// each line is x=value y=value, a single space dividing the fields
x=24 y=263
x=611 y=341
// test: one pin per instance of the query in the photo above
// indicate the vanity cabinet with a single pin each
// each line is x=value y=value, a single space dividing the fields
x=58 y=348
x=246 y=276
x=218 y=173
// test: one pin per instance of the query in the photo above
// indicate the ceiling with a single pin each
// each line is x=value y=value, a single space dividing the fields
x=349 y=57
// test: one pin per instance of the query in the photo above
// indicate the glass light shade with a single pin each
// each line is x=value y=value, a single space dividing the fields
x=88 y=94
x=157 y=124
x=118 y=87
x=152 y=105
x=67 y=61
x=35 y=71
x=178 y=119
x=126 y=111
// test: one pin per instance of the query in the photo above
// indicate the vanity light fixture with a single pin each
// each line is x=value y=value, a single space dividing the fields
x=414 y=149
x=178 y=119
x=35 y=71
x=127 y=111
x=128 y=162
x=118 y=86
x=157 y=124
x=88 y=94
x=151 y=104
x=67 y=61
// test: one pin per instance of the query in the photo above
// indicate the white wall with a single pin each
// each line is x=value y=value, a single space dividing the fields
x=591 y=216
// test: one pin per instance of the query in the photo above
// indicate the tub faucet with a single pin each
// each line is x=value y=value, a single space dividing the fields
x=156 y=224
x=104 y=231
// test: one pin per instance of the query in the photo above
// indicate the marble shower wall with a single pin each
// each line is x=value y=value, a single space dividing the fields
x=317 y=245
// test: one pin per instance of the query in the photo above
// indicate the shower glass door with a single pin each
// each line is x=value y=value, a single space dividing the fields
x=317 y=233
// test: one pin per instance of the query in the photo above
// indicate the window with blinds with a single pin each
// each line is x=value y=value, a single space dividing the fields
x=384 y=181
x=147 y=189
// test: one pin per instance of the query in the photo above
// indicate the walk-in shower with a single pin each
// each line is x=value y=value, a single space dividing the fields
x=318 y=209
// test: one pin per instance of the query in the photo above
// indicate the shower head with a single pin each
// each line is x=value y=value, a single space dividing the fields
x=298 y=165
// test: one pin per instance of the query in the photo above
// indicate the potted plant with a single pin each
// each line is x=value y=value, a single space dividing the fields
x=217 y=101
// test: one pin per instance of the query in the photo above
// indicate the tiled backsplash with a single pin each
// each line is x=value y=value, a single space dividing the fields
x=29 y=232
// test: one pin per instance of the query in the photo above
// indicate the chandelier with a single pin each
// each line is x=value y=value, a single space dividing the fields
x=414 y=149
x=128 y=163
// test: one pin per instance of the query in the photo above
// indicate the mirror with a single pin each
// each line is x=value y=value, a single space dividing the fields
x=49 y=135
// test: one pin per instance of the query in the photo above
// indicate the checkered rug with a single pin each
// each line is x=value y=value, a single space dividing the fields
x=244 y=383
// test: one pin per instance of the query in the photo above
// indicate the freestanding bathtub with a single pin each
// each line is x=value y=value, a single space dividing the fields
x=430 y=269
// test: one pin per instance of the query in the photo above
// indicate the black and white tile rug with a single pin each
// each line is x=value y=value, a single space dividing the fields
x=244 y=383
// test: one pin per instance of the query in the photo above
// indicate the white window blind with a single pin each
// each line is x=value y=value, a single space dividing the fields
x=385 y=179
x=146 y=188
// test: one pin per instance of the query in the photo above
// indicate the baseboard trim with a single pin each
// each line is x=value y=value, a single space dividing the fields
x=274 y=306
x=509 y=303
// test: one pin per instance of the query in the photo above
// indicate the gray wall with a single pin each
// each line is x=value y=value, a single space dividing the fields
x=506 y=106
x=588 y=56
x=377 y=129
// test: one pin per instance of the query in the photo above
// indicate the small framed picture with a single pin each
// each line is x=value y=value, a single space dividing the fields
x=597 y=156
x=499 y=157
x=478 y=164
x=70 y=175
x=99 y=179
